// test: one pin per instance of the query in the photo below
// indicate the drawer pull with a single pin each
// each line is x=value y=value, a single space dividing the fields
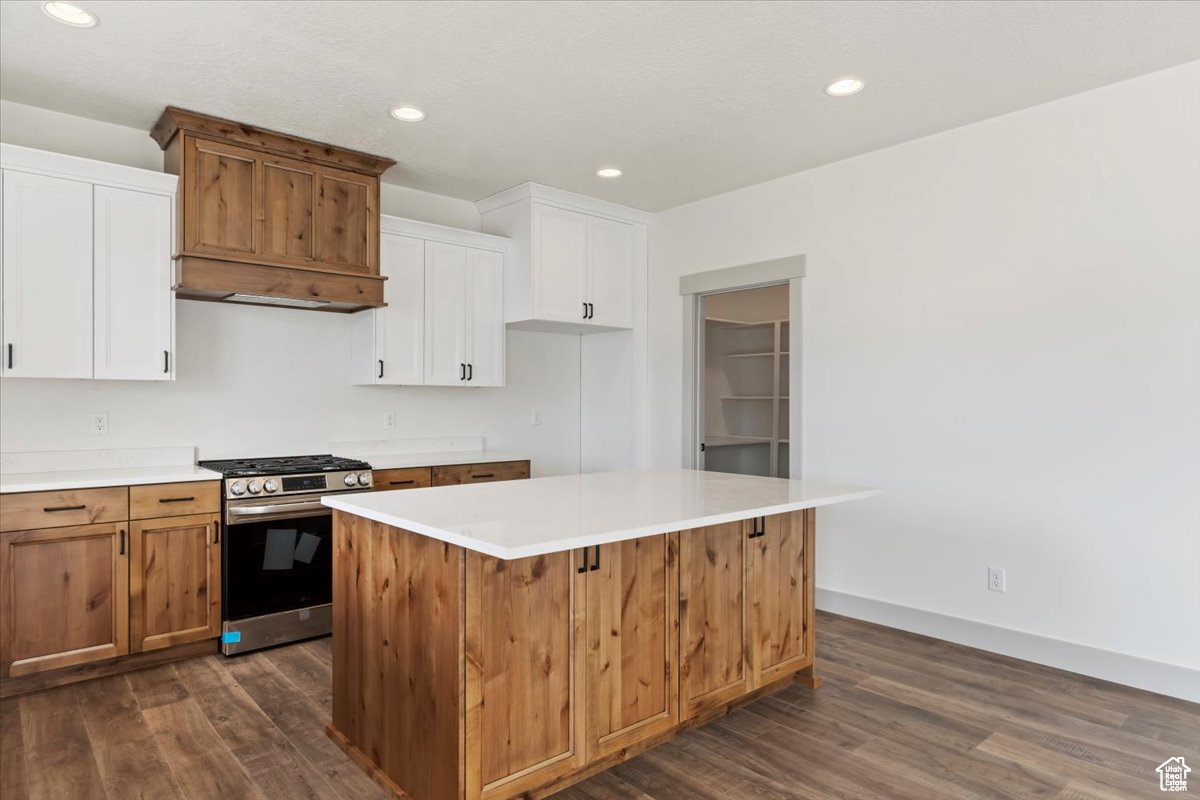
x=176 y=499
x=56 y=509
x=122 y=541
x=401 y=483
x=584 y=568
x=485 y=475
x=216 y=532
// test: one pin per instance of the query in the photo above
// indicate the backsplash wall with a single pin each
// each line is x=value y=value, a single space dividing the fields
x=264 y=382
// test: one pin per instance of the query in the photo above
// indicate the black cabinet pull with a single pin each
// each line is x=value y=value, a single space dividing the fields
x=166 y=361
x=400 y=483
x=470 y=372
x=585 y=310
x=10 y=355
x=485 y=475
x=216 y=532
x=381 y=367
x=596 y=566
x=462 y=372
x=56 y=509
x=591 y=310
x=760 y=527
x=584 y=568
x=176 y=499
x=122 y=542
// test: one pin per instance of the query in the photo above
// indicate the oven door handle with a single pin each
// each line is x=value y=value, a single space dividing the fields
x=277 y=508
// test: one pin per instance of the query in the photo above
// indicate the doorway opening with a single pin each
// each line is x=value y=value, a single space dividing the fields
x=743 y=368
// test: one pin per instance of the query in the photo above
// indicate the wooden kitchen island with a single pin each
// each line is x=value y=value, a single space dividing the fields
x=509 y=639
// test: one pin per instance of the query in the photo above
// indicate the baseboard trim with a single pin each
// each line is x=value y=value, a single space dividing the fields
x=1142 y=673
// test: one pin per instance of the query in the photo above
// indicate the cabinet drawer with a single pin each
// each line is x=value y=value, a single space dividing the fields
x=33 y=510
x=387 y=480
x=480 y=473
x=174 y=499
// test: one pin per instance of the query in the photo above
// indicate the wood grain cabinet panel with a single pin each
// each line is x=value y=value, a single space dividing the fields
x=65 y=596
x=288 y=204
x=712 y=617
x=174 y=499
x=777 y=590
x=632 y=642
x=454 y=474
x=174 y=581
x=348 y=221
x=387 y=480
x=524 y=682
x=59 y=509
x=221 y=209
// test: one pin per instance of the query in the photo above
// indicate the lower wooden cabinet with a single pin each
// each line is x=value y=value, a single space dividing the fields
x=174 y=581
x=632 y=642
x=64 y=597
x=780 y=631
x=712 y=617
x=454 y=474
x=460 y=675
x=73 y=594
x=525 y=655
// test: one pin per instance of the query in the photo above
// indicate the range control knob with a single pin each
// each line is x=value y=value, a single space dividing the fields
x=254 y=487
x=237 y=488
x=364 y=479
x=350 y=479
x=270 y=485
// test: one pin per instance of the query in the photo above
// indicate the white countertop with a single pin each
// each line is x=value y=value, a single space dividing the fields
x=516 y=519
x=94 y=478
x=402 y=460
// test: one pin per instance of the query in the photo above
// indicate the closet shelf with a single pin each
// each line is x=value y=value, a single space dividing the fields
x=724 y=440
x=755 y=355
x=754 y=397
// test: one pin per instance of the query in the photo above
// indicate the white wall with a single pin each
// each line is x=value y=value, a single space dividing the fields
x=1001 y=329
x=263 y=381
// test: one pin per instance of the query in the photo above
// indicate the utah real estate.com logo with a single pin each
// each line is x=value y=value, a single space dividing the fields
x=1172 y=775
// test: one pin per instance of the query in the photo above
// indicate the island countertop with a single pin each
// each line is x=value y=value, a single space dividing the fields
x=517 y=519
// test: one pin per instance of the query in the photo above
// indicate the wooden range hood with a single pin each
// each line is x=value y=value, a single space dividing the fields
x=271 y=219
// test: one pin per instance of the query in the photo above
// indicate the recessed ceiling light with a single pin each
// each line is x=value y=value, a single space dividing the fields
x=408 y=114
x=843 y=87
x=608 y=172
x=70 y=15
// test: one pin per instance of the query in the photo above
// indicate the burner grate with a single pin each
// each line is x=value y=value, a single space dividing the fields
x=283 y=465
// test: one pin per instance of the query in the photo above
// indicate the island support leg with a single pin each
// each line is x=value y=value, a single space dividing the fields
x=808 y=676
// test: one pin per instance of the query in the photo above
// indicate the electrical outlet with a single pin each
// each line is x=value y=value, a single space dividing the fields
x=100 y=424
x=996 y=579
x=389 y=420
x=536 y=417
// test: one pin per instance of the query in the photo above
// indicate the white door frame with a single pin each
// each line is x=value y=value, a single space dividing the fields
x=790 y=270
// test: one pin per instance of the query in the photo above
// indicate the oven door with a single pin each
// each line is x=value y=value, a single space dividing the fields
x=276 y=556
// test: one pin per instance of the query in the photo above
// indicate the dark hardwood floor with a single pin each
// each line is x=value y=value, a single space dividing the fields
x=899 y=716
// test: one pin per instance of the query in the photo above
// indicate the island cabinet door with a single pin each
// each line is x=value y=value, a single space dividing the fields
x=712 y=617
x=525 y=672
x=632 y=642
x=780 y=595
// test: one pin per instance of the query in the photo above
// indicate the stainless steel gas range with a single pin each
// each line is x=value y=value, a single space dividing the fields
x=277 y=551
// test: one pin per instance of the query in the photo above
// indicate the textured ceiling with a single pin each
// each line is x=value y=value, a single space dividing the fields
x=689 y=99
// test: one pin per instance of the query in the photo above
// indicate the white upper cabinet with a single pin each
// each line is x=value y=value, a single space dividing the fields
x=133 y=306
x=86 y=275
x=574 y=262
x=446 y=317
x=47 y=276
x=444 y=320
x=388 y=343
x=485 y=318
x=559 y=263
x=609 y=292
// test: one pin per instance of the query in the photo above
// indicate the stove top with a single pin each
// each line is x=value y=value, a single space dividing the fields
x=283 y=465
